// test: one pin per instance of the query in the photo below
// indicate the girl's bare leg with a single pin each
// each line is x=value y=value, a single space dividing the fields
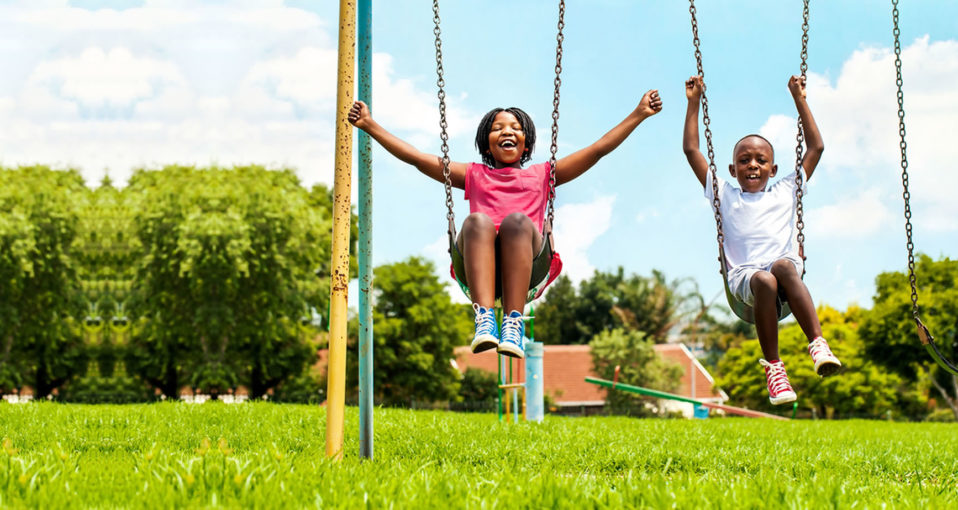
x=519 y=242
x=477 y=243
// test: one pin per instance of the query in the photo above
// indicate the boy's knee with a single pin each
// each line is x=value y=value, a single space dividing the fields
x=763 y=282
x=783 y=268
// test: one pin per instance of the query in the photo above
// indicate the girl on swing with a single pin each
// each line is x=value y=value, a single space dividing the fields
x=503 y=233
x=758 y=222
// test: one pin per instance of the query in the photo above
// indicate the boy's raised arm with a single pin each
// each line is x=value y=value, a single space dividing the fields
x=578 y=162
x=690 y=136
x=428 y=164
x=814 y=145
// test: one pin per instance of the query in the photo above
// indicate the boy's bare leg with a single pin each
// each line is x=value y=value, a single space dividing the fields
x=477 y=243
x=765 y=290
x=799 y=300
x=519 y=241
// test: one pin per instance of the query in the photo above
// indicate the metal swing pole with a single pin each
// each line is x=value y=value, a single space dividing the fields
x=364 y=58
x=339 y=277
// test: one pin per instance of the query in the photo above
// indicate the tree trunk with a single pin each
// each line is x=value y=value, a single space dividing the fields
x=951 y=401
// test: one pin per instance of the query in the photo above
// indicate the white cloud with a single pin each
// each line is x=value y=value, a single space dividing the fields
x=404 y=105
x=857 y=217
x=858 y=117
x=107 y=80
x=577 y=227
x=249 y=81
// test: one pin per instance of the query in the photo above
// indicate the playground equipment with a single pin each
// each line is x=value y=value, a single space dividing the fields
x=742 y=310
x=670 y=396
x=546 y=265
x=923 y=334
x=365 y=246
x=532 y=398
x=339 y=270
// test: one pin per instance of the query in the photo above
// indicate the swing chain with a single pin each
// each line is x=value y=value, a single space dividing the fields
x=716 y=204
x=904 y=165
x=441 y=82
x=800 y=139
x=555 y=115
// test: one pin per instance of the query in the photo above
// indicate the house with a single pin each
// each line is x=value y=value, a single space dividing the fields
x=565 y=368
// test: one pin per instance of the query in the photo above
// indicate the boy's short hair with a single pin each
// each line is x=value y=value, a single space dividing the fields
x=485 y=127
x=734 y=147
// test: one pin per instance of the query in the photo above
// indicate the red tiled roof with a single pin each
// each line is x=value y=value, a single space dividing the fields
x=565 y=368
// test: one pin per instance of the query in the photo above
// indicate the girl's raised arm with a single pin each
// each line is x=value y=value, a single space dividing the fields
x=577 y=163
x=428 y=164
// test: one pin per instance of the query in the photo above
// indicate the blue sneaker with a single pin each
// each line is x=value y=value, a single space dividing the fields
x=512 y=335
x=487 y=331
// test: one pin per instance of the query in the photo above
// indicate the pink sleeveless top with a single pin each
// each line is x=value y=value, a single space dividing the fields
x=499 y=192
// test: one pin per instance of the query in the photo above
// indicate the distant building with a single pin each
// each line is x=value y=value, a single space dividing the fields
x=565 y=368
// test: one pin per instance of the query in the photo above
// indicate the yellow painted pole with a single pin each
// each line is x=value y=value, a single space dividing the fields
x=336 y=368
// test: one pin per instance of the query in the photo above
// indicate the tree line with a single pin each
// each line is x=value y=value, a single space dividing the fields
x=218 y=278
x=203 y=278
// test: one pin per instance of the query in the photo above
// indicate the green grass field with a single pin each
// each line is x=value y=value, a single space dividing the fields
x=272 y=456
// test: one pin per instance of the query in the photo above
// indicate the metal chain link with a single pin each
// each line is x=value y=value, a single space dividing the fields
x=904 y=165
x=555 y=115
x=799 y=140
x=441 y=83
x=716 y=204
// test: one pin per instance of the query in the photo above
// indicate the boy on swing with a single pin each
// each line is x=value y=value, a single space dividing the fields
x=760 y=239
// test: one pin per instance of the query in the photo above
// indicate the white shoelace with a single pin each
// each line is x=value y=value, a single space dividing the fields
x=487 y=319
x=513 y=323
x=818 y=348
x=777 y=380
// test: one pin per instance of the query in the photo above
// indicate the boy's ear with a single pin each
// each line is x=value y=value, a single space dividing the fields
x=774 y=170
x=731 y=170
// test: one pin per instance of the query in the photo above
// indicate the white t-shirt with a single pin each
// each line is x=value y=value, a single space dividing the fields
x=759 y=227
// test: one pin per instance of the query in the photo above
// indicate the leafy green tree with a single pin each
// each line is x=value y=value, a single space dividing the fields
x=639 y=364
x=226 y=289
x=416 y=326
x=41 y=343
x=890 y=333
x=478 y=389
x=652 y=305
x=861 y=389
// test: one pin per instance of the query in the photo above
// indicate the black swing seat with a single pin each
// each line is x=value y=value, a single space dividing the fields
x=739 y=308
x=546 y=266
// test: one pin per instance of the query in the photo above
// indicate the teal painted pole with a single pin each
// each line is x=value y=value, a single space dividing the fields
x=364 y=58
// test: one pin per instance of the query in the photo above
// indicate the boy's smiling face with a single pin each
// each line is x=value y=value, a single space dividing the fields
x=753 y=164
x=507 y=141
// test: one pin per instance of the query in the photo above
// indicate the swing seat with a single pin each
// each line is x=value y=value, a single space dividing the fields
x=738 y=307
x=546 y=267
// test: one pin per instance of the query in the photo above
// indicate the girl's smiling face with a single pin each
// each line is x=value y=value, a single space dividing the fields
x=507 y=141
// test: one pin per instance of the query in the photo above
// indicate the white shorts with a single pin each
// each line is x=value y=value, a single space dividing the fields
x=740 y=277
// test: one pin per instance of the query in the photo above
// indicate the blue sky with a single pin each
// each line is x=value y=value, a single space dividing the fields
x=108 y=86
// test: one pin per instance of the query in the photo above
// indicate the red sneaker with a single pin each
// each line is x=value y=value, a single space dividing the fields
x=779 y=389
x=825 y=362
